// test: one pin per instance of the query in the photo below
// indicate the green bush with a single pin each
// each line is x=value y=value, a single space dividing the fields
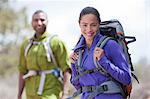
x=9 y=60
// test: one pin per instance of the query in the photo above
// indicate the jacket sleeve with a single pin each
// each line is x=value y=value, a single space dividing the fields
x=74 y=74
x=61 y=53
x=115 y=63
x=22 y=61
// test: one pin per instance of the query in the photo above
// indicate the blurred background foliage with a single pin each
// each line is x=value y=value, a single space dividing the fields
x=14 y=22
x=11 y=22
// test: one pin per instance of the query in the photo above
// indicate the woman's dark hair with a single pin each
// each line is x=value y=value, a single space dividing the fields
x=90 y=10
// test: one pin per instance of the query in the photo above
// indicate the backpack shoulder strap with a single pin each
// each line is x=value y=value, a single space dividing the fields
x=49 y=52
x=51 y=57
x=101 y=43
x=28 y=47
x=103 y=40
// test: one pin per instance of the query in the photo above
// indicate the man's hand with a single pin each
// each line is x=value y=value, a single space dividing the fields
x=19 y=97
x=21 y=85
x=64 y=96
x=66 y=84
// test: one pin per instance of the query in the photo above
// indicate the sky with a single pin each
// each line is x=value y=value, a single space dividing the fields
x=63 y=19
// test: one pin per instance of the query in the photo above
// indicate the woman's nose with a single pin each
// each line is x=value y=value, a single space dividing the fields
x=89 y=29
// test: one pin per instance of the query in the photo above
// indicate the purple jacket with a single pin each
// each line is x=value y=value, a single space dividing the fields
x=114 y=62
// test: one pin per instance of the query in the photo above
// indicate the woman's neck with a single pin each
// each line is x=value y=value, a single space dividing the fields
x=89 y=43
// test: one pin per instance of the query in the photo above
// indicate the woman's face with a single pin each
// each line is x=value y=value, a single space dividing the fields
x=89 y=25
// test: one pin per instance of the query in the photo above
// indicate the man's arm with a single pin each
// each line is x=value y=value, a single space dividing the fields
x=66 y=83
x=21 y=85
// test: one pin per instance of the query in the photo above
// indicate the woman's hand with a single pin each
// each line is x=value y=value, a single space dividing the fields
x=98 y=53
x=73 y=57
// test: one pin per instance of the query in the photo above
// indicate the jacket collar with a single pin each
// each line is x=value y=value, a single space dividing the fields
x=44 y=35
x=82 y=43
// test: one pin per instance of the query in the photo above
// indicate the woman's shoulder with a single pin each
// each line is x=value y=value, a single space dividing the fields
x=112 y=42
x=112 y=46
x=80 y=44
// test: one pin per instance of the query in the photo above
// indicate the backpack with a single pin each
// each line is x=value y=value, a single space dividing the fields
x=113 y=29
x=50 y=58
x=49 y=54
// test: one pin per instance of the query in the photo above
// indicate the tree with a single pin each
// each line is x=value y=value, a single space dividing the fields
x=12 y=21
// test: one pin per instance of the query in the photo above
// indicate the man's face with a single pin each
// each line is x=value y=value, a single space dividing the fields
x=39 y=22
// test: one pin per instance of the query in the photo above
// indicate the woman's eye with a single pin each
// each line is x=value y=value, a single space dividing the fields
x=93 y=25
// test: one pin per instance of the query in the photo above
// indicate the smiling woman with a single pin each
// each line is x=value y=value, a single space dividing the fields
x=98 y=72
x=89 y=25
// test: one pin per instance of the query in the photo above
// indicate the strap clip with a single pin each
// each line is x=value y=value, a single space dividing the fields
x=105 y=88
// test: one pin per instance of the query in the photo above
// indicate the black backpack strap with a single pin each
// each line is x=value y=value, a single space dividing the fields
x=132 y=39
